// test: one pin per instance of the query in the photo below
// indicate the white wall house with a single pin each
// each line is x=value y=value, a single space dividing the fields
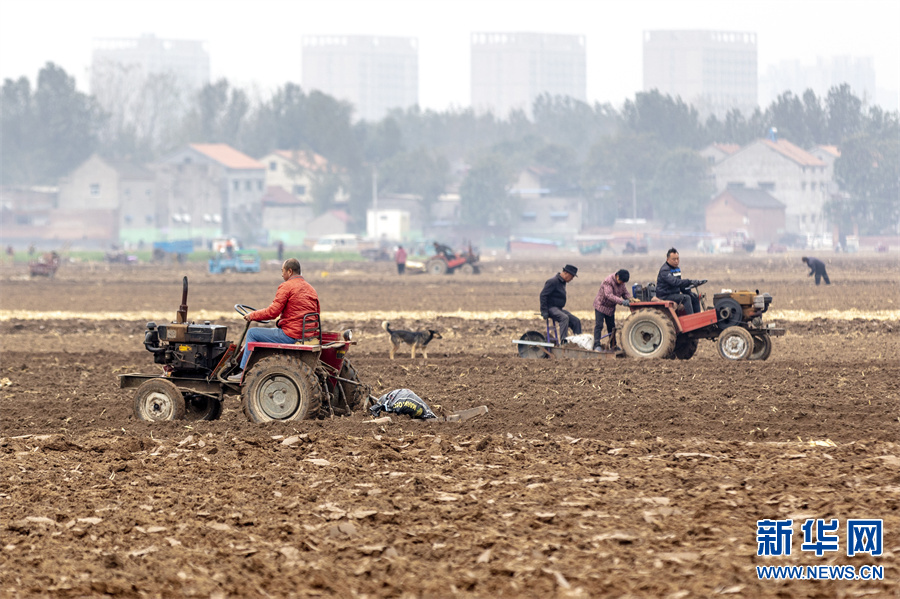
x=790 y=174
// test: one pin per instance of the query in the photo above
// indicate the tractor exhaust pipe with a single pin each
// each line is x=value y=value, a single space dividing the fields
x=183 y=309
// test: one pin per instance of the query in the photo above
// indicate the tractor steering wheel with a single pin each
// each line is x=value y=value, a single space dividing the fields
x=244 y=310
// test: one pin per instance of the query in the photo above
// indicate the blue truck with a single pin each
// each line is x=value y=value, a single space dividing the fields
x=237 y=261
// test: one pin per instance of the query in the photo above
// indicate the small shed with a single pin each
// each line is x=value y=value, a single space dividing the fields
x=753 y=210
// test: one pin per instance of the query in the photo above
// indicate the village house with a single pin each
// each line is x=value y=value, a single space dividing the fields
x=545 y=211
x=790 y=174
x=210 y=190
x=752 y=210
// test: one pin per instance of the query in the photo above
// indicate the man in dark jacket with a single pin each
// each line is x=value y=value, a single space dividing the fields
x=817 y=267
x=670 y=286
x=553 y=300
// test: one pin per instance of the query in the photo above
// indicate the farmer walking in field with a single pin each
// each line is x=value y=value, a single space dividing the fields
x=817 y=267
x=612 y=293
x=400 y=259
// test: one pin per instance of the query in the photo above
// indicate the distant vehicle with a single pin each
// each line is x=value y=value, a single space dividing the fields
x=221 y=244
x=337 y=243
x=239 y=261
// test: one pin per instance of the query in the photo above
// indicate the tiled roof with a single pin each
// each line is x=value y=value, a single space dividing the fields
x=308 y=160
x=727 y=148
x=789 y=150
x=754 y=198
x=227 y=156
x=279 y=196
x=833 y=150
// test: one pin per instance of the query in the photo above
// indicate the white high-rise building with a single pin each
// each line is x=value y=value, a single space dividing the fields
x=510 y=70
x=715 y=71
x=791 y=75
x=137 y=58
x=146 y=84
x=376 y=74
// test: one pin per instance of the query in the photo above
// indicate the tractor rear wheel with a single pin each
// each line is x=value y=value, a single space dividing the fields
x=648 y=334
x=735 y=343
x=685 y=348
x=201 y=407
x=354 y=394
x=762 y=347
x=157 y=400
x=729 y=313
x=280 y=388
x=466 y=269
x=532 y=351
x=436 y=266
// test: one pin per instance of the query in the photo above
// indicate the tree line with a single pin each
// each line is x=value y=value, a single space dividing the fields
x=648 y=147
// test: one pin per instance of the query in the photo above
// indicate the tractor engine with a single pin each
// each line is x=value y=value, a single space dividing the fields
x=186 y=349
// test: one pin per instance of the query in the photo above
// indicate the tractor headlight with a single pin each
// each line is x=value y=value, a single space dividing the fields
x=347 y=335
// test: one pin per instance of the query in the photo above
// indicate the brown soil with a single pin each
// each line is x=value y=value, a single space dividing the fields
x=587 y=478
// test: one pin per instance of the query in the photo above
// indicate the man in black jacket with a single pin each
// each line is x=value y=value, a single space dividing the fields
x=670 y=286
x=817 y=267
x=553 y=300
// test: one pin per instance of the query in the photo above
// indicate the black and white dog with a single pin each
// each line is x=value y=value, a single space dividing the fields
x=417 y=339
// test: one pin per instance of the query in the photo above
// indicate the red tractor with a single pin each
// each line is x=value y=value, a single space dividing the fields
x=660 y=329
x=446 y=261
x=281 y=382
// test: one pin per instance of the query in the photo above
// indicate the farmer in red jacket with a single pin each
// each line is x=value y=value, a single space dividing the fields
x=294 y=299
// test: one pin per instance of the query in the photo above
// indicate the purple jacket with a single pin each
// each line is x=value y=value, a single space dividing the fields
x=611 y=293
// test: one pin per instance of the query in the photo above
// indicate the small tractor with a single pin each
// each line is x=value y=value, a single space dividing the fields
x=45 y=266
x=236 y=261
x=281 y=382
x=660 y=329
x=447 y=262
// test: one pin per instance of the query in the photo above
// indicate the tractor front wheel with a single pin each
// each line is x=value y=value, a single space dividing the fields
x=436 y=266
x=762 y=347
x=466 y=269
x=280 y=388
x=648 y=334
x=735 y=343
x=158 y=400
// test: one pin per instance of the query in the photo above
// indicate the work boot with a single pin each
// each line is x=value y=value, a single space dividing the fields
x=235 y=378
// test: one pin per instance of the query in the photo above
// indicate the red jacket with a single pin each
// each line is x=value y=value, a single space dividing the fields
x=294 y=299
x=400 y=256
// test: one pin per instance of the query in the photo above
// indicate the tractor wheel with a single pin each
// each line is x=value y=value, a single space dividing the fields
x=729 y=313
x=735 y=343
x=280 y=388
x=355 y=394
x=201 y=407
x=648 y=334
x=466 y=269
x=762 y=347
x=157 y=400
x=532 y=351
x=685 y=348
x=436 y=267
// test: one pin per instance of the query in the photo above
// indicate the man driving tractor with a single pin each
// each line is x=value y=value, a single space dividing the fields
x=670 y=286
x=294 y=299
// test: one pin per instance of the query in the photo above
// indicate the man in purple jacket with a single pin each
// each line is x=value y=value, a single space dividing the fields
x=613 y=292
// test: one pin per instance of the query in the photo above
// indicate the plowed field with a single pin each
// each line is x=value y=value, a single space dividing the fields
x=606 y=478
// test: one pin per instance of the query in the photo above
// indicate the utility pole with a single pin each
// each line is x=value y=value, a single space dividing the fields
x=634 y=209
x=374 y=203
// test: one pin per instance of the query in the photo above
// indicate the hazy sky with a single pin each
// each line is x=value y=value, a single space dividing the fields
x=258 y=41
